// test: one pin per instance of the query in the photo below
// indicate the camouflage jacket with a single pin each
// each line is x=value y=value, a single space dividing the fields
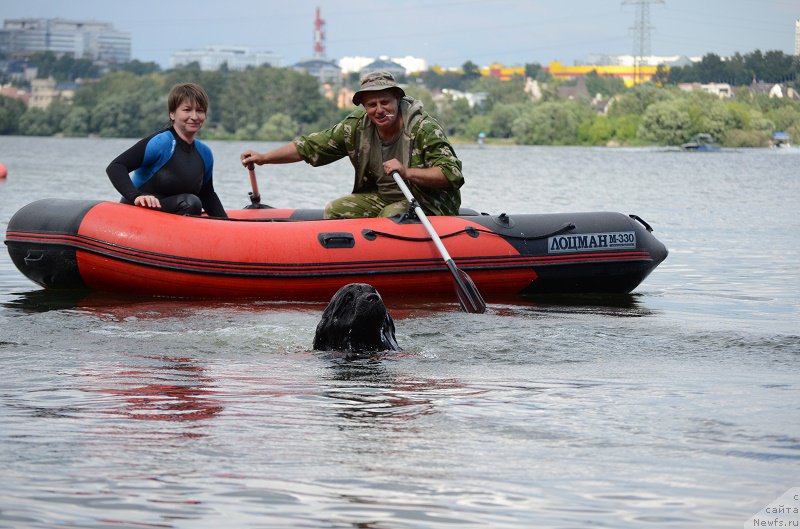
x=427 y=143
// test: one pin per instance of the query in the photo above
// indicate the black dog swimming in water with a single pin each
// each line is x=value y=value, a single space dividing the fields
x=356 y=321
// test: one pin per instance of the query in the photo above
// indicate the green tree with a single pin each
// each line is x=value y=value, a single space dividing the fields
x=279 y=127
x=36 y=122
x=437 y=80
x=771 y=67
x=711 y=69
x=604 y=85
x=417 y=91
x=76 y=122
x=64 y=67
x=746 y=138
x=252 y=96
x=661 y=76
x=502 y=116
x=625 y=128
x=241 y=101
x=90 y=94
x=471 y=71
x=596 y=131
x=551 y=123
x=477 y=125
x=112 y=118
x=708 y=114
x=497 y=91
x=759 y=123
x=454 y=114
x=137 y=67
x=638 y=99
x=10 y=112
x=666 y=123
x=785 y=118
x=133 y=109
x=249 y=131
x=739 y=115
x=737 y=71
x=535 y=71
x=57 y=112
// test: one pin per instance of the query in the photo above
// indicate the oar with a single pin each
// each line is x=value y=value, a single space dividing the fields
x=255 y=196
x=468 y=296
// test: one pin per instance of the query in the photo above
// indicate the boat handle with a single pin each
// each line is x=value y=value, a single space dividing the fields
x=34 y=257
x=642 y=221
x=336 y=240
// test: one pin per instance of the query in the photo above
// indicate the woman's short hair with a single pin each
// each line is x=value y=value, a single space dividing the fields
x=187 y=91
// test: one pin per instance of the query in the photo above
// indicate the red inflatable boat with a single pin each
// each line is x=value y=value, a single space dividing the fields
x=285 y=254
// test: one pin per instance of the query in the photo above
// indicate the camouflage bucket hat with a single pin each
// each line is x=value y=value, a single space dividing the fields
x=376 y=81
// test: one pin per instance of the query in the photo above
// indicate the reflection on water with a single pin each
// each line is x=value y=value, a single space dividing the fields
x=368 y=394
x=41 y=300
x=164 y=389
x=119 y=307
x=621 y=305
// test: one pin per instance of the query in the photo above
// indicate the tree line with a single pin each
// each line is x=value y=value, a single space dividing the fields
x=738 y=70
x=276 y=104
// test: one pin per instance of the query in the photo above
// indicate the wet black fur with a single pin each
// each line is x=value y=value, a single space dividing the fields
x=355 y=322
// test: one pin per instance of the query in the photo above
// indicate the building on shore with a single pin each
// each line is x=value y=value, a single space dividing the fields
x=630 y=75
x=632 y=70
x=12 y=92
x=797 y=38
x=384 y=64
x=326 y=72
x=504 y=73
x=721 y=90
x=81 y=39
x=213 y=57
x=357 y=64
x=45 y=91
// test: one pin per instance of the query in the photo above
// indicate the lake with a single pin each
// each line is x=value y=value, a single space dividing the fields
x=676 y=406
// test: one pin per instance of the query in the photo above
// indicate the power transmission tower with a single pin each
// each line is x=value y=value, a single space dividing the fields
x=641 y=34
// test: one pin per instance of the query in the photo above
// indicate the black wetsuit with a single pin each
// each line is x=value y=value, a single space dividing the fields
x=179 y=174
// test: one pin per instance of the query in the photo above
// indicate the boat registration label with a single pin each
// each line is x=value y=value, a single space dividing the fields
x=591 y=242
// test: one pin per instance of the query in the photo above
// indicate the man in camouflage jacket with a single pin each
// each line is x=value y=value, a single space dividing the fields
x=390 y=132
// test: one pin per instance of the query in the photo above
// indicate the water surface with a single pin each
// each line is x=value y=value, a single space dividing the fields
x=675 y=406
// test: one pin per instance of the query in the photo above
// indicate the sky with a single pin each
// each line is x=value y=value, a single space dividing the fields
x=443 y=32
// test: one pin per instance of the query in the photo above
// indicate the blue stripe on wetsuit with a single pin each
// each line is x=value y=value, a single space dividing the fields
x=158 y=152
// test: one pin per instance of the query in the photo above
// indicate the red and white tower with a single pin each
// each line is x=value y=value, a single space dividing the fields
x=319 y=37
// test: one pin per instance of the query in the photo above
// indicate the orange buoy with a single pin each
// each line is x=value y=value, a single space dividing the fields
x=3 y=171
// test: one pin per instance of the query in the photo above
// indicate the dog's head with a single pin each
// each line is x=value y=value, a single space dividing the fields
x=356 y=321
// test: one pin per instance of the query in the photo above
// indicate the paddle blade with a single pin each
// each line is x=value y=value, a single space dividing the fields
x=469 y=297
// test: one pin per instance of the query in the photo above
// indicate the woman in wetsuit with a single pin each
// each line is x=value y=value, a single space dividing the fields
x=171 y=170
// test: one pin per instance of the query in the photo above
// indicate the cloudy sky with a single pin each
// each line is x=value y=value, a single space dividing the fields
x=444 y=32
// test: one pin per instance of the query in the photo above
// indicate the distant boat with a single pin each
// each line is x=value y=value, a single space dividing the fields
x=781 y=139
x=700 y=142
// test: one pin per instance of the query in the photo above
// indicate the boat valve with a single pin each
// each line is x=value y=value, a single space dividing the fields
x=504 y=220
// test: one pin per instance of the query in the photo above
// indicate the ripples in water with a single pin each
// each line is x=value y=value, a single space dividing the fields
x=674 y=406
